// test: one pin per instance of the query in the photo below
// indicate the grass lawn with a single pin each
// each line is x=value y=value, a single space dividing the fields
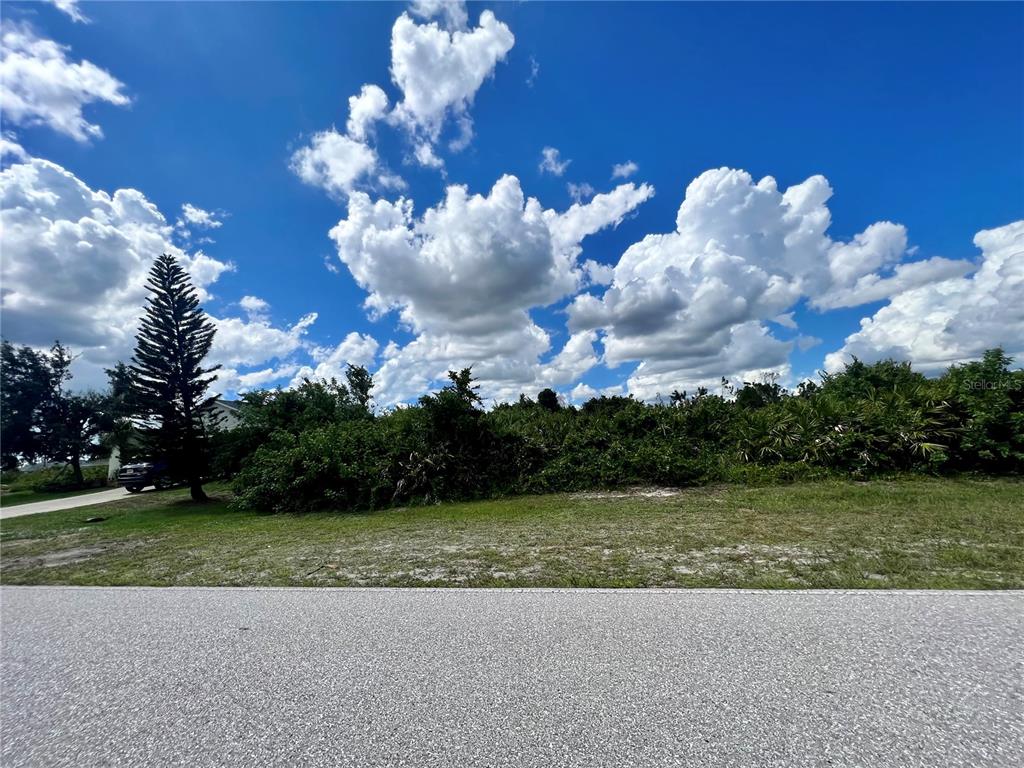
x=13 y=498
x=919 y=533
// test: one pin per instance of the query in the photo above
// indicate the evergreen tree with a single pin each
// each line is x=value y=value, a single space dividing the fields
x=168 y=375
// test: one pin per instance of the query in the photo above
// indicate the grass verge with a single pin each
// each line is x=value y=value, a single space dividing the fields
x=919 y=533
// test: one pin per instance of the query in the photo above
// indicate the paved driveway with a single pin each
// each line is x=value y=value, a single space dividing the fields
x=212 y=677
x=68 y=502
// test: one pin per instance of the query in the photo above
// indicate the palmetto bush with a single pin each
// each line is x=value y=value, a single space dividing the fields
x=987 y=400
x=881 y=430
x=894 y=431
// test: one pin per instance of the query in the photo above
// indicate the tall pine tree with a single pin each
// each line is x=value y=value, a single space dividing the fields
x=169 y=378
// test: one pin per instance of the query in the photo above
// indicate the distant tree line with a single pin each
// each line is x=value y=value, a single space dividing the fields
x=41 y=419
x=324 y=445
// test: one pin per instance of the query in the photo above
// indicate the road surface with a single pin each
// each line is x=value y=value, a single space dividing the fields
x=367 y=677
x=67 y=502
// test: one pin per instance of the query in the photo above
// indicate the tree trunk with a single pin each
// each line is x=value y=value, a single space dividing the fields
x=196 y=489
x=76 y=470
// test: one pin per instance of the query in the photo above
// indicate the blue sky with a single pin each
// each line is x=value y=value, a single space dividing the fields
x=914 y=113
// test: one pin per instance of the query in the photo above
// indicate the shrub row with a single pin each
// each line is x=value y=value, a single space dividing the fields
x=52 y=479
x=318 y=447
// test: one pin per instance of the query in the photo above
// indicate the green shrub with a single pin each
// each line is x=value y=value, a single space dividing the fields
x=341 y=466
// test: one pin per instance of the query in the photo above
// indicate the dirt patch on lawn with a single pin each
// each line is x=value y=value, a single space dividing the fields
x=628 y=493
x=70 y=556
x=759 y=554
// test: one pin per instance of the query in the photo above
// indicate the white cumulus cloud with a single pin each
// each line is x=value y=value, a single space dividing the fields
x=74 y=268
x=438 y=69
x=439 y=72
x=364 y=109
x=253 y=341
x=40 y=86
x=231 y=380
x=465 y=275
x=332 y=362
x=952 y=320
x=691 y=305
x=75 y=260
x=254 y=306
x=334 y=161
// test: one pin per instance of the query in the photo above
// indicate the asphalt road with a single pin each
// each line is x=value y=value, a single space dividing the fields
x=220 y=677
x=67 y=502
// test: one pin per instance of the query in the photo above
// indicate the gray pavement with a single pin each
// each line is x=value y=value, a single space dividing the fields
x=67 y=502
x=366 y=677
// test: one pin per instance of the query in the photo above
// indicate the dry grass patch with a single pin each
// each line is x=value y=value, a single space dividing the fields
x=915 y=533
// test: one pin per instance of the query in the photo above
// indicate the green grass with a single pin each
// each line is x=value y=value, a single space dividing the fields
x=28 y=496
x=917 y=533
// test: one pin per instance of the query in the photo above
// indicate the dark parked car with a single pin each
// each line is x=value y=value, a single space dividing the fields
x=137 y=476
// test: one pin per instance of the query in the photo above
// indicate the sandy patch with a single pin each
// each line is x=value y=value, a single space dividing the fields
x=628 y=493
x=69 y=556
